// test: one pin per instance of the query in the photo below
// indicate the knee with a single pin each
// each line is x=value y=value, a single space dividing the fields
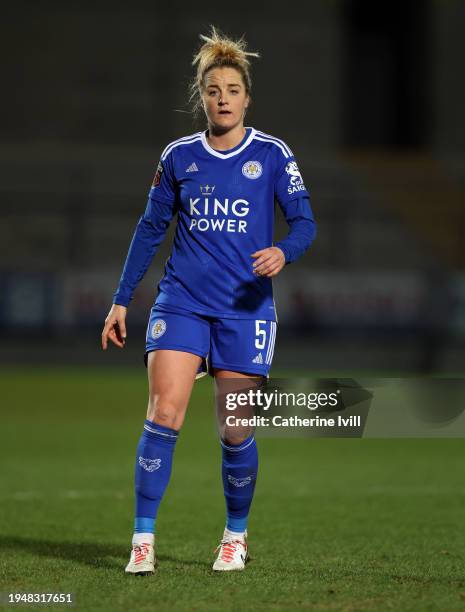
x=235 y=437
x=164 y=412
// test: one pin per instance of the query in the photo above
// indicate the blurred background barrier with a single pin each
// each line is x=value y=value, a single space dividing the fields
x=366 y=94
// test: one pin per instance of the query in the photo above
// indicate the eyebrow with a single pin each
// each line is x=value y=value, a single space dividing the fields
x=229 y=85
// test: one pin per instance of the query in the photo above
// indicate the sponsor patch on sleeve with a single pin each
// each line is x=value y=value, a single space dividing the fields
x=296 y=182
x=157 y=177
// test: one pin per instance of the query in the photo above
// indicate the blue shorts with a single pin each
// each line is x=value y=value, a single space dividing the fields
x=239 y=345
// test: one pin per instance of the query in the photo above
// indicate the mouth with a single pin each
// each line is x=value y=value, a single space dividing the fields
x=225 y=112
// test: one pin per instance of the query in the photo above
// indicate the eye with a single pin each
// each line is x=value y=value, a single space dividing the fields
x=235 y=91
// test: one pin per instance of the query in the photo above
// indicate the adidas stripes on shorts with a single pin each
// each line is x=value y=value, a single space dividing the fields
x=239 y=345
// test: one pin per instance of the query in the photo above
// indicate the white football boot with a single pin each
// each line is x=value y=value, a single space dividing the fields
x=233 y=554
x=142 y=561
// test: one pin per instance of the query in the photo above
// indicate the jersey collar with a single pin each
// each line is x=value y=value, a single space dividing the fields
x=233 y=152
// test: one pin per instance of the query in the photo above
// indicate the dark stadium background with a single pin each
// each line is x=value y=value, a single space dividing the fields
x=369 y=97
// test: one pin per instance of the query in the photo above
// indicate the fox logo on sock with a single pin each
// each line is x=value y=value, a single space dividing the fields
x=239 y=482
x=150 y=465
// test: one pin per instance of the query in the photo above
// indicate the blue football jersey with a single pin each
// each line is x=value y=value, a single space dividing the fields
x=224 y=201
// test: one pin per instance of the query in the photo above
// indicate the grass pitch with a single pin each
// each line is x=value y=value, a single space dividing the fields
x=336 y=524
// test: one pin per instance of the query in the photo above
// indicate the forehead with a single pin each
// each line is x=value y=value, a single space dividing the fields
x=223 y=75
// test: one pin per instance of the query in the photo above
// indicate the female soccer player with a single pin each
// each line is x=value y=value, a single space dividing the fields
x=214 y=310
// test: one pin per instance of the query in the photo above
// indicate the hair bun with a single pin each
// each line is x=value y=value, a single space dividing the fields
x=219 y=50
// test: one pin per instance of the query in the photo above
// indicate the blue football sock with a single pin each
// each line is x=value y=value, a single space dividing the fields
x=153 y=469
x=239 y=469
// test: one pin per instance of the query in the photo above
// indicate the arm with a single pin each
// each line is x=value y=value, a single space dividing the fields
x=294 y=201
x=302 y=228
x=150 y=232
x=302 y=231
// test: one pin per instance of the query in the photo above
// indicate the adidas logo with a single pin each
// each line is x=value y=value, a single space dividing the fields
x=258 y=359
x=192 y=168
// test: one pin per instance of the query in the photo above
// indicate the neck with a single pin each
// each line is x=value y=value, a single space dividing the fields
x=222 y=141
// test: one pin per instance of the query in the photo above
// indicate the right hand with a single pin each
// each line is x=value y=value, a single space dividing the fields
x=115 y=327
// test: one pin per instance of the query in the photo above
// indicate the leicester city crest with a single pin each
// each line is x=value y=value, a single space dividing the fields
x=252 y=169
x=158 y=328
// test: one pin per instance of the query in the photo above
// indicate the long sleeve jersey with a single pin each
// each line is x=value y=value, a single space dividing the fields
x=224 y=202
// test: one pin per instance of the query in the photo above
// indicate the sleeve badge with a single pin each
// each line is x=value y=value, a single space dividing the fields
x=157 y=177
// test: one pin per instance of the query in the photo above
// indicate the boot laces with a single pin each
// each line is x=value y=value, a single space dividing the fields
x=228 y=548
x=140 y=552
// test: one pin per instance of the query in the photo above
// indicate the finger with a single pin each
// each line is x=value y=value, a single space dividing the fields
x=122 y=328
x=263 y=259
x=109 y=333
x=269 y=268
x=267 y=265
x=105 y=332
x=118 y=332
x=114 y=338
x=109 y=323
x=272 y=273
x=258 y=253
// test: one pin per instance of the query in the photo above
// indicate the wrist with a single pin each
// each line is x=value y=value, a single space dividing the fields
x=122 y=302
x=282 y=248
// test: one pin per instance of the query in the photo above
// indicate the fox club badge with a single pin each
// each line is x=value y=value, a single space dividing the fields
x=158 y=328
x=252 y=169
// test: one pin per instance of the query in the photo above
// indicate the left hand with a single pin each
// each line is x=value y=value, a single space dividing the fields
x=268 y=262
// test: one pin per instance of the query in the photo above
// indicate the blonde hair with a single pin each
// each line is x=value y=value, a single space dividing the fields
x=219 y=50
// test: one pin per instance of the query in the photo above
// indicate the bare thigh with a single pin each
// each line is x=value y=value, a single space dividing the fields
x=171 y=376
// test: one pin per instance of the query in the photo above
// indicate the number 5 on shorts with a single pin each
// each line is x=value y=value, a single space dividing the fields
x=260 y=335
x=261 y=338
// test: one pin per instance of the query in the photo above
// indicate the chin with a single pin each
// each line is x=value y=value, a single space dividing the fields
x=225 y=123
